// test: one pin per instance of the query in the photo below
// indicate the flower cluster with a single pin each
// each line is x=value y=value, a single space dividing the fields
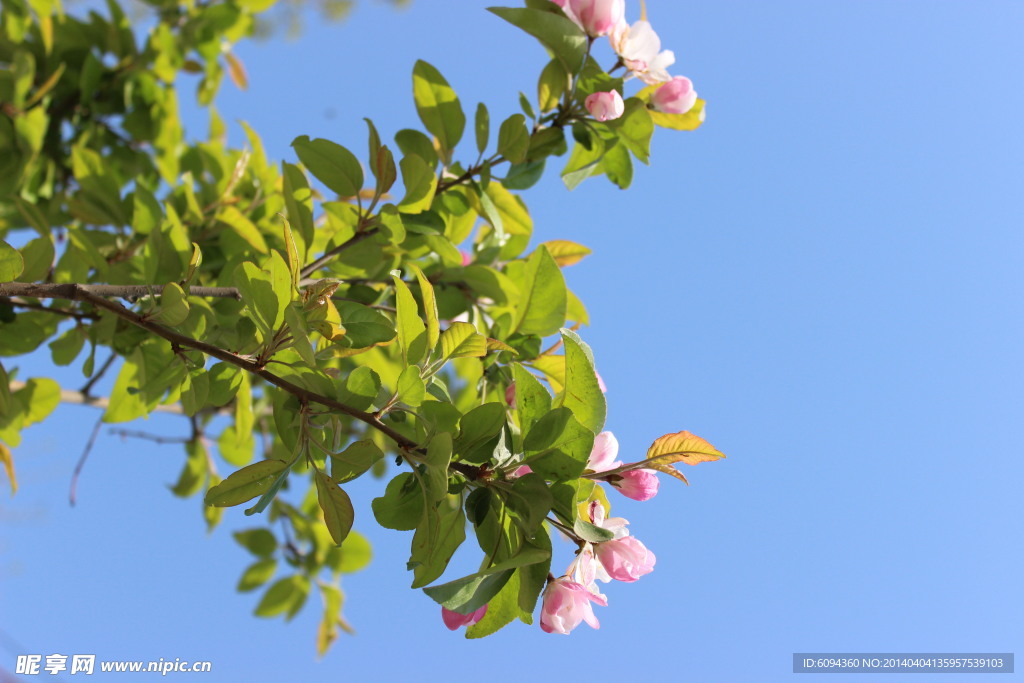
x=622 y=558
x=638 y=48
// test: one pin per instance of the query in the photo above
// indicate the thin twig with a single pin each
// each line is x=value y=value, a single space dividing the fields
x=98 y=376
x=46 y=309
x=81 y=461
x=329 y=255
x=78 y=398
x=155 y=438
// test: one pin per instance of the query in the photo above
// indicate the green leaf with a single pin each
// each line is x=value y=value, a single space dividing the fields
x=194 y=473
x=332 y=164
x=412 y=333
x=245 y=484
x=225 y=379
x=355 y=554
x=554 y=81
x=565 y=39
x=297 y=201
x=266 y=292
x=336 y=505
x=461 y=340
x=38 y=256
x=530 y=501
x=364 y=326
x=590 y=532
x=40 y=396
x=514 y=138
x=617 y=165
x=420 y=184
x=243 y=227
x=483 y=127
x=195 y=391
x=532 y=400
x=286 y=596
x=256 y=575
x=437 y=105
x=411 y=141
x=401 y=505
x=558 y=446
x=353 y=461
x=361 y=388
x=173 y=305
x=439 y=454
x=437 y=538
x=8 y=462
x=429 y=305
x=476 y=429
x=583 y=393
x=470 y=593
x=66 y=347
x=410 y=388
x=543 y=301
x=11 y=262
x=634 y=129
x=260 y=542
x=583 y=163
x=502 y=610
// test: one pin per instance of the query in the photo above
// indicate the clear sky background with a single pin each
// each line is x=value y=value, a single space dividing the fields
x=824 y=281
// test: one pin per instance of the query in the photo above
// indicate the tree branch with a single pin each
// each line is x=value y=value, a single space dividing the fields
x=75 y=292
x=52 y=291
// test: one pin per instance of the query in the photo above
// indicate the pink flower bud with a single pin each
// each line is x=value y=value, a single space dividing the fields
x=467 y=258
x=596 y=17
x=453 y=620
x=510 y=395
x=636 y=484
x=605 y=106
x=566 y=604
x=675 y=97
x=521 y=471
x=625 y=559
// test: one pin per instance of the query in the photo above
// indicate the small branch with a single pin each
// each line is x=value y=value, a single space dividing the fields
x=329 y=255
x=72 y=494
x=78 y=398
x=53 y=291
x=445 y=185
x=45 y=309
x=74 y=292
x=98 y=376
x=155 y=438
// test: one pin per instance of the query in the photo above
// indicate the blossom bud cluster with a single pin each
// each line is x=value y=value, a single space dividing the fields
x=567 y=599
x=639 y=50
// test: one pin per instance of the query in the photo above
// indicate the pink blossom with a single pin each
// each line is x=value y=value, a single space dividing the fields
x=625 y=559
x=467 y=258
x=596 y=17
x=600 y=383
x=636 y=484
x=605 y=106
x=510 y=395
x=521 y=471
x=453 y=620
x=566 y=604
x=602 y=456
x=639 y=47
x=675 y=97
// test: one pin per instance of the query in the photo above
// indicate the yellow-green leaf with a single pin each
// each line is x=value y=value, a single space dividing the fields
x=461 y=340
x=173 y=305
x=11 y=262
x=8 y=461
x=245 y=484
x=679 y=447
x=565 y=252
x=337 y=507
x=430 y=304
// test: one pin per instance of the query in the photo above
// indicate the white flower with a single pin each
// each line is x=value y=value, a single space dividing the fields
x=640 y=49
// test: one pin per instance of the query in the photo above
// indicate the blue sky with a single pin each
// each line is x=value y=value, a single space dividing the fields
x=824 y=281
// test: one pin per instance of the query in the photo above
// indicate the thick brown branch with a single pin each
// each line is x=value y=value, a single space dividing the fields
x=74 y=292
x=52 y=291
